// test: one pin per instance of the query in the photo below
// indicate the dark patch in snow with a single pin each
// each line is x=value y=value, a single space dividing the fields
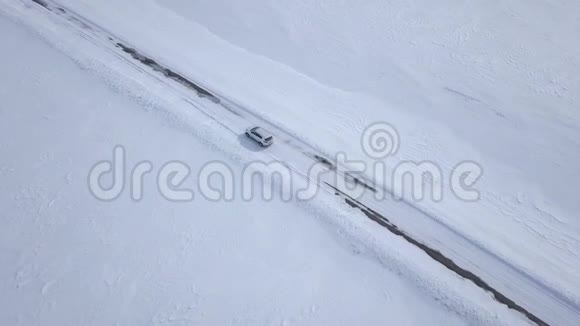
x=201 y=92
x=322 y=160
x=41 y=3
x=350 y=177
x=437 y=256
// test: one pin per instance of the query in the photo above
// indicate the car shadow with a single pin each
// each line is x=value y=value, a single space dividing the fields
x=249 y=144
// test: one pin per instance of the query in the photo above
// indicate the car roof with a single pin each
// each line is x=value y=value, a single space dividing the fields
x=262 y=132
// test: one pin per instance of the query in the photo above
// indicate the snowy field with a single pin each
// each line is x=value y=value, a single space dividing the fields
x=492 y=83
x=496 y=84
x=69 y=259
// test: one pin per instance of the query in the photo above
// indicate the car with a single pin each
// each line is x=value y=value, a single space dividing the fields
x=260 y=135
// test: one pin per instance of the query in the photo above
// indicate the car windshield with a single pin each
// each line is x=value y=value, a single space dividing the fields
x=269 y=138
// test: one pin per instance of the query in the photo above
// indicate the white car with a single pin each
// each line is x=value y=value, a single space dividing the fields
x=261 y=136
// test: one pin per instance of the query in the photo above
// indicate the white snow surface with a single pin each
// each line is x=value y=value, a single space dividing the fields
x=69 y=259
x=493 y=82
